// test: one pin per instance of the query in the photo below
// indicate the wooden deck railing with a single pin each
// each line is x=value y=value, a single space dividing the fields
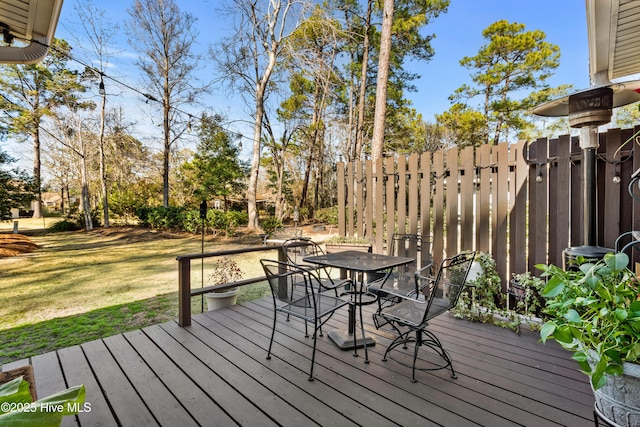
x=184 y=278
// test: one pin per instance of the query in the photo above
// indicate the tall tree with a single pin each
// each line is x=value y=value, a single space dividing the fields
x=408 y=41
x=246 y=61
x=215 y=170
x=512 y=62
x=30 y=93
x=164 y=37
x=99 y=31
x=310 y=59
x=16 y=187
x=379 y=119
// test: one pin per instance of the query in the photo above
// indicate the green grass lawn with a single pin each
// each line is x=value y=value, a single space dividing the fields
x=80 y=286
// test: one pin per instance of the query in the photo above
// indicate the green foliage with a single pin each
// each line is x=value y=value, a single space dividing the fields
x=216 y=220
x=270 y=223
x=531 y=303
x=337 y=240
x=64 y=225
x=17 y=189
x=167 y=218
x=485 y=293
x=125 y=203
x=46 y=412
x=237 y=218
x=595 y=313
x=216 y=169
x=512 y=62
x=327 y=215
x=463 y=126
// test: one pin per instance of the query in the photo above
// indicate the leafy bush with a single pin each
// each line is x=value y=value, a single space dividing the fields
x=128 y=205
x=237 y=218
x=485 y=292
x=217 y=219
x=327 y=215
x=142 y=212
x=304 y=213
x=270 y=224
x=191 y=221
x=64 y=225
x=166 y=218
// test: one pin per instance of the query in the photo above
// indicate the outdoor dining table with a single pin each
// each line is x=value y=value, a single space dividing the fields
x=362 y=264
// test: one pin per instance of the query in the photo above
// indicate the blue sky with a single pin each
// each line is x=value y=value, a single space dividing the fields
x=458 y=34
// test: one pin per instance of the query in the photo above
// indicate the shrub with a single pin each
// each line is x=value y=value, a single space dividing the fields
x=327 y=215
x=191 y=221
x=217 y=219
x=166 y=218
x=64 y=225
x=270 y=224
x=237 y=218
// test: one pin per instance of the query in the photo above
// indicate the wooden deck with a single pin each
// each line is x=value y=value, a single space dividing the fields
x=214 y=373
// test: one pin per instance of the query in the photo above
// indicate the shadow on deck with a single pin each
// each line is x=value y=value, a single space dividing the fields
x=215 y=373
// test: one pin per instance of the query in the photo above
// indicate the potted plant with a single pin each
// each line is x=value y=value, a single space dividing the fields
x=485 y=291
x=224 y=271
x=594 y=311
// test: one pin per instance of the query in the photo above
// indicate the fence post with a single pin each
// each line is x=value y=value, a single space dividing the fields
x=184 y=292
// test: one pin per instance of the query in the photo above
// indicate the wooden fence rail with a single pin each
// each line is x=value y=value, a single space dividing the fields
x=522 y=203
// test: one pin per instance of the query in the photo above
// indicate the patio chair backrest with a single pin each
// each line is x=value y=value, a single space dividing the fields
x=285 y=277
x=411 y=246
x=443 y=292
x=298 y=248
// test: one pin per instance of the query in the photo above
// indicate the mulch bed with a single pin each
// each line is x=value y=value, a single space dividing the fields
x=15 y=244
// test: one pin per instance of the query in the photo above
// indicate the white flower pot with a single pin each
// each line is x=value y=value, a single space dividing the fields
x=217 y=300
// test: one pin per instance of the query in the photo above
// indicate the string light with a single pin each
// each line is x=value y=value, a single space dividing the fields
x=101 y=90
x=148 y=97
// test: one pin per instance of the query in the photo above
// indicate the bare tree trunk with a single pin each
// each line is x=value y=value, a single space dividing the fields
x=252 y=190
x=37 y=171
x=377 y=144
x=103 y=172
x=363 y=86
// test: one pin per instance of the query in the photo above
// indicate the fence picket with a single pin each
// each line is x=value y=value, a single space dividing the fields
x=520 y=202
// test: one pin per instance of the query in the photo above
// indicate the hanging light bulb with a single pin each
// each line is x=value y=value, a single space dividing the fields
x=101 y=90
x=616 y=178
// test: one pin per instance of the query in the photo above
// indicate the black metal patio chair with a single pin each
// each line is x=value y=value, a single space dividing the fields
x=297 y=249
x=403 y=281
x=410 y=317
x=308 y=305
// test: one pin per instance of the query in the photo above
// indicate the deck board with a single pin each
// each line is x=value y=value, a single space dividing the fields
x=215 y=372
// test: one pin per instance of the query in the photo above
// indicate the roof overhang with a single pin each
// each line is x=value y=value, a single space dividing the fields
x=613 y=29
x=32 y=23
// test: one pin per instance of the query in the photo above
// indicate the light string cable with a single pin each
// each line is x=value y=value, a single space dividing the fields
x=147 y=96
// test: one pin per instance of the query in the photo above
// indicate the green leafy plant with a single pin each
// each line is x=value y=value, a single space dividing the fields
x=485 y=292
x=17 y=408
x=595 y=313
x=531 y=302
x=270 y=223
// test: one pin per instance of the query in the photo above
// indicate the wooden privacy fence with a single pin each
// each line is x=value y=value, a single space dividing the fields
x=522 y=203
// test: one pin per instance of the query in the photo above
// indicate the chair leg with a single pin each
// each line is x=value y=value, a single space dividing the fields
x=313 y=353
x=273 y=332
x=415 y=354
